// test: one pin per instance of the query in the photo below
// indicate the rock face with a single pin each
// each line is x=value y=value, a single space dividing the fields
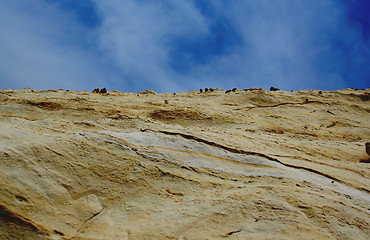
x=251 y=164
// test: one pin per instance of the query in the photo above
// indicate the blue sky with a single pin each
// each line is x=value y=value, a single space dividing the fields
x=182 y=45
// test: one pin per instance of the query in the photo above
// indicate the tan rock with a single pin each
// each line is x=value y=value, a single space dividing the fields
x=248 y=165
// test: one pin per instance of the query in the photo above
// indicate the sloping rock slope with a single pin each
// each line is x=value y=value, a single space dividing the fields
x=249 y=164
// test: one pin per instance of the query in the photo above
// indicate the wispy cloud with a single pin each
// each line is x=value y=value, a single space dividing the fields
x=134 y=45
x=42 y=47
x=134 y=37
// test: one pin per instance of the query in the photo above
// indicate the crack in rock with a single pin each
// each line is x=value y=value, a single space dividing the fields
x=85 y=222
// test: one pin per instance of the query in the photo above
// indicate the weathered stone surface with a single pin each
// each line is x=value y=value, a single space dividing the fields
x=248 y=165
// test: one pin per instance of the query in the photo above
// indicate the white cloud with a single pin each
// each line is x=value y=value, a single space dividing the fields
x=134 y=35
x=287 y=44
x=283 y=40
x=38 y=48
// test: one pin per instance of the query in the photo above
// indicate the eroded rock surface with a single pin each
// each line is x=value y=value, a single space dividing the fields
x=249 y=164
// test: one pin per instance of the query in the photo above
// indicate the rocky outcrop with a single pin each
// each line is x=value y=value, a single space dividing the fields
x=251 y=164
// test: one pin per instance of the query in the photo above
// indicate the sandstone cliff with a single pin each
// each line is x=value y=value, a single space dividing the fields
x=249 y=164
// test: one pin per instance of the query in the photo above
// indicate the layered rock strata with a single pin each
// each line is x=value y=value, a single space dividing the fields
x=249 y=164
